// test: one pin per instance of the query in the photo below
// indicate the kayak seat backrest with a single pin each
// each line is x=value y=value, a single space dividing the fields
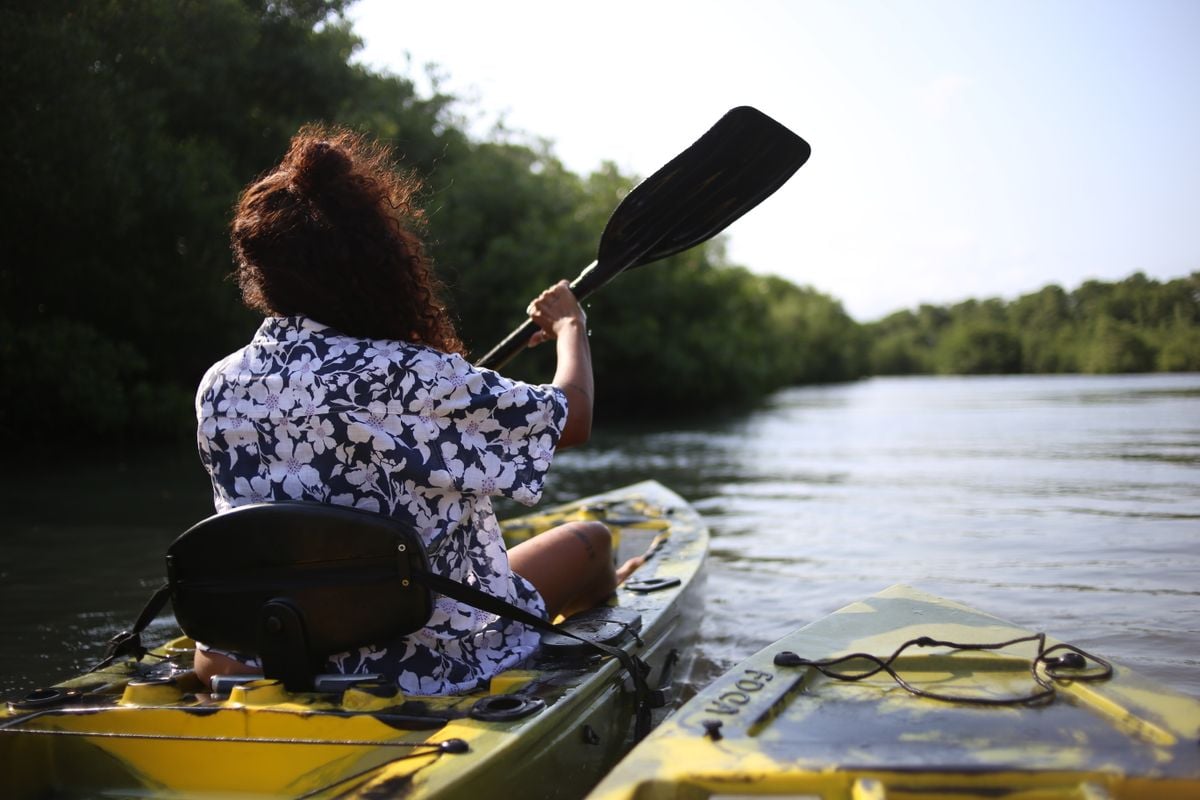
x=295 y=583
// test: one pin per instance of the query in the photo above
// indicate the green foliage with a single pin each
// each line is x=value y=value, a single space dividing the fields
x=684 y=320
x=821 y=342
x=978 y=349
x=1115 y=346
x=1134 y=325
x=1180 y=349
x=506 y=225
x=131 y=127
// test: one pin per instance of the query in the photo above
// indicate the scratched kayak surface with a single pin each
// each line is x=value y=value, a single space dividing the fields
x=550 y=729
x=777 y=726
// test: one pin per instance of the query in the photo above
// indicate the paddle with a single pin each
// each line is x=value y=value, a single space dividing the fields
x=729 y=170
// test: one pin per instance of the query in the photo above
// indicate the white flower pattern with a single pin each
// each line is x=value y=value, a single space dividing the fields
x=306 y=413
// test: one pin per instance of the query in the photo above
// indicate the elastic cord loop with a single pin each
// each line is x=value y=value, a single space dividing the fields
x=1057 y=668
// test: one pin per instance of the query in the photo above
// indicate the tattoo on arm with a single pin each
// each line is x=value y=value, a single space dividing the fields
x=579 y=389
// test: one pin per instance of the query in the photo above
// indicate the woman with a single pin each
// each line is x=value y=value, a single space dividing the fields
x=355 y=392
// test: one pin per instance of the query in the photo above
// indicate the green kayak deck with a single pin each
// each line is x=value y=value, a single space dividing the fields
x=551 y=729
x=773 y=726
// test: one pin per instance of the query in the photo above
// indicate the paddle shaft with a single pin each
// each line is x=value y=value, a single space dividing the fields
x=504 y=352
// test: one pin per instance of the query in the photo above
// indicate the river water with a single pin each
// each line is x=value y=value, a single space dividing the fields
x=1069 y=504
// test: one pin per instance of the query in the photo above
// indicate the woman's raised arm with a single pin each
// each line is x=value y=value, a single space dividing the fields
x=558 y=314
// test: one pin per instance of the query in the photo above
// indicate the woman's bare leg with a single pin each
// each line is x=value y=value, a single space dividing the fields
x=571 y=566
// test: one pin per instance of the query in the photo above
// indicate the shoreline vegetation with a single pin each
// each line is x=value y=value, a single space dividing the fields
x=132 y=127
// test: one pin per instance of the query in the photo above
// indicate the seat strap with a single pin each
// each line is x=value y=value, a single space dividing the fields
x=129 y=642
x=636 y=667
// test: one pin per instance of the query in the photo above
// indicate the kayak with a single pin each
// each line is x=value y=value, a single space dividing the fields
x=549 y=729
x=970 y=721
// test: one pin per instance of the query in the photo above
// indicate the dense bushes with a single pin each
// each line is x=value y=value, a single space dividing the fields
x=131 y=126
x=1133 y=325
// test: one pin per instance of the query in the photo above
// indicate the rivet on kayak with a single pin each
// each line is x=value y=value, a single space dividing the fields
x=786 y=658
x=454 y=746
x=712 y=729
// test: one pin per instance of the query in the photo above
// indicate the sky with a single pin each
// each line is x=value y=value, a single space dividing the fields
x=961 y=149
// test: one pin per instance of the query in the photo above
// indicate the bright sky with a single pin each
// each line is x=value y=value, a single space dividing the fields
x=960 y=149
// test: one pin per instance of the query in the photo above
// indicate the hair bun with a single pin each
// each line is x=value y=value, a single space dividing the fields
x=317 y=165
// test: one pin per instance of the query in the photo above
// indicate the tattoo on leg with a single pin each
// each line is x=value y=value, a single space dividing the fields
x=581 y=536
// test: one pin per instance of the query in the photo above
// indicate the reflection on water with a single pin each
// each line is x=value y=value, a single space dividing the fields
x=1066 y=504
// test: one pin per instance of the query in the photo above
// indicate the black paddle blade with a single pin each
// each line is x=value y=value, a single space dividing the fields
x=729 y=170
x=739 y=163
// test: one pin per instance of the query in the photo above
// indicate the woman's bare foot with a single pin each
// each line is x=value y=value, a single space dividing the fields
x=209 y=664
x=628 y=568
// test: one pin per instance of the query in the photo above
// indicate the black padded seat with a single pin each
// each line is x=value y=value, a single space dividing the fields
x=295 y=583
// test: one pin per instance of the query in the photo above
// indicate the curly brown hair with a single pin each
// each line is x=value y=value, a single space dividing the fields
x=330 y=233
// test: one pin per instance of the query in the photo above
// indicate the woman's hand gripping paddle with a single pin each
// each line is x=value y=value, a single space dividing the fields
x=729 y=170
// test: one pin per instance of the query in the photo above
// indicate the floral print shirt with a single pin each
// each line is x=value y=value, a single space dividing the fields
x=306 y=413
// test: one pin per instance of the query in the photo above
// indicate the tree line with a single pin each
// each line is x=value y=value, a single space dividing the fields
x=1134 y=325
x=133 y=124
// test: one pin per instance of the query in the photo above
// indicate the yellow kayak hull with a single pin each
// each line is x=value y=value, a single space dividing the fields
x=148 y=730
x=765 y=729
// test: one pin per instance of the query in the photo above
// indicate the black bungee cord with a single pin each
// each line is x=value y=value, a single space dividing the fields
x=1066 y=666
